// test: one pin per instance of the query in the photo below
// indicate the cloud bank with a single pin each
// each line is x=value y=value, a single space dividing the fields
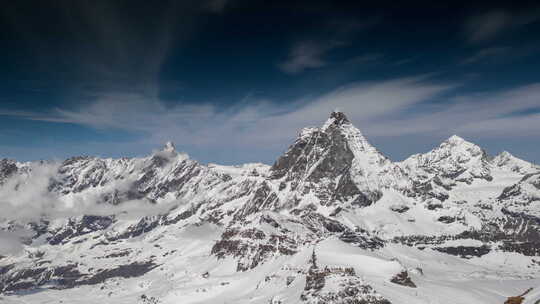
x=10 y=243
x=26 y=196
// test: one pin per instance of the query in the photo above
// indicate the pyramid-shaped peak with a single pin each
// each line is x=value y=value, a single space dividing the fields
x=506 y=160
x=458 y=146
x=505 y=157
x=330 y=151
x=455 y=141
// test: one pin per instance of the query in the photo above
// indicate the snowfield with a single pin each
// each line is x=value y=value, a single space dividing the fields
x=331 y=221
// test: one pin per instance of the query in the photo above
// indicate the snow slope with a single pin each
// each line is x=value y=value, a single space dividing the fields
x=333 y=220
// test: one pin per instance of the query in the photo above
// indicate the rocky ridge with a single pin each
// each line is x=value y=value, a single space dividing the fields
x=331 y=184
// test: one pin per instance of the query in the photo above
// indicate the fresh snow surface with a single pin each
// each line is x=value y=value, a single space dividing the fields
x=332 y=221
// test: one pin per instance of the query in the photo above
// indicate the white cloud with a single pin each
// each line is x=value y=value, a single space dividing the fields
x=334 y=33
x=502 y=113
x=26 y=197
x=10 y=243
x=395 y=107
x=255 y=123
x=485 y=54
x=307 y=55
x=488 y=25
x=20 y=196
x=250 y=126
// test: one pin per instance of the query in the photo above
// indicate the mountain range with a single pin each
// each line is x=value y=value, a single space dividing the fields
x=333 y=220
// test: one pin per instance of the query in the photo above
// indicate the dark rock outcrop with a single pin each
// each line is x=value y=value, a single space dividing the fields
x=403 y=278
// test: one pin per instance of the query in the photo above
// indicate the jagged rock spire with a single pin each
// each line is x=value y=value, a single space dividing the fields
x=169 y=147
x=339 y=153
x=336 y=118
x=339 y=117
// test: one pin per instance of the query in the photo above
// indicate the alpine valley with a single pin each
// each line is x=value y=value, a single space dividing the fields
x=331 y=221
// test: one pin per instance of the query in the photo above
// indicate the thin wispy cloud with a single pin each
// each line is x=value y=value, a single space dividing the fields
x=251 y=123
x=394 y=107
x=28 y=197
x=480 y=114
x=488 y=25
x=336 y=33
x=486 y=54
x=366 y=59
x=120 y=48
x=308 y=55
x=247 y=123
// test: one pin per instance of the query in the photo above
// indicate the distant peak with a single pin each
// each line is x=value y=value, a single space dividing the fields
x=503 y=158
x=505 y=154
x=458 y=145
x=169 y=147
x=506 y=160
x=455 y=139
x=337 y=118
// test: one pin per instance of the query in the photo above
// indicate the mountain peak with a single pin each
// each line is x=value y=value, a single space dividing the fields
x=459 y=146
x=337 y=118
x=169 y=147
x=337 y=152
x=454 y=159
x=505 y=154
x=455 y=139
x=505 y=157
x=456 y=143
x=506 y=160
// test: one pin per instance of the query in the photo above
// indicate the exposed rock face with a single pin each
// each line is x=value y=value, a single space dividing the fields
x=259 y=238
x=77 y=227
x=165 y=172
x=403 y=278
x=350 y=288
x=518 y=299
x=331 y=184
x=455 y=160
x=7 y=168
x=507 y=161
x=68 y=276
x=254 y=242
x=337 y=164
x=362 y=239
x=466 y=252
x=518 y=232
x=523 y=195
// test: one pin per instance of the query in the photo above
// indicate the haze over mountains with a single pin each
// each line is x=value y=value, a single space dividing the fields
x=333 y=220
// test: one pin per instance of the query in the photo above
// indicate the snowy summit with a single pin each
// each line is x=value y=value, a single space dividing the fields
x=333 y=220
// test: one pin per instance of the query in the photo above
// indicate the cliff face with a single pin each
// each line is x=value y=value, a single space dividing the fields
x=167 y=229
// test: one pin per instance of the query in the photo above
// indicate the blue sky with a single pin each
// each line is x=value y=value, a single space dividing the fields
x=234 y=81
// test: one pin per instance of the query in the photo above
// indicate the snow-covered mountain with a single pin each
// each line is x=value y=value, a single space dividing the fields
x=331 y=221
